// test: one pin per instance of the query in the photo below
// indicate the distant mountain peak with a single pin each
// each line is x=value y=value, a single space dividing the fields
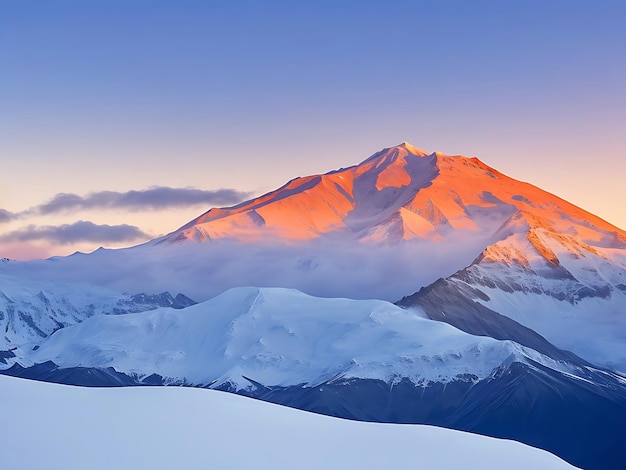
x=395 y=153
x=412 y=149
x=398 y=193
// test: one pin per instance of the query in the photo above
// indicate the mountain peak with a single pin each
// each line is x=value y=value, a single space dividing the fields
x=395 y=154
x=398 y=193
x=412 y=149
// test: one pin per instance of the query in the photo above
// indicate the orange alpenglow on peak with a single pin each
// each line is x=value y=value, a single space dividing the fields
x=412 y=149
x=394 y=196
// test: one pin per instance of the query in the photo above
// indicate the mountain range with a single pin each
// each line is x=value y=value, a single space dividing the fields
x=509 y=317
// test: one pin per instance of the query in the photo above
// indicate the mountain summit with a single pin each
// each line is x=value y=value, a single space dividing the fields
x=354 y=201
x=401 y=193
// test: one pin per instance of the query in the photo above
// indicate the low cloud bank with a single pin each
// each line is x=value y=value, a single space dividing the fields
x=81 y=231
x=6 y=216
x=155 y=198
x=326 y=269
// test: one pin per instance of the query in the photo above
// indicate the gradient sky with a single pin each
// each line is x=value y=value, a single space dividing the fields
x=108 y=97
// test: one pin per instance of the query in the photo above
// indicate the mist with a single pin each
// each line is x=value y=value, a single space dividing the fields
x=322 y=268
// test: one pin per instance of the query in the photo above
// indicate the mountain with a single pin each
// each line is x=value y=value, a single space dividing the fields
x=383 y=229
x=364 y=360
x=532 y=289
x=517 y=250
x=168 y=427
x=280 y=337
x=400 y=193
x=31 y=311
x=569 y=292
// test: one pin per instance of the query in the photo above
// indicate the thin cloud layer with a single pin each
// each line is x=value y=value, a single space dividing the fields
x=81 y=231
x=320 y=267
x=155 y=198
x=6 y=216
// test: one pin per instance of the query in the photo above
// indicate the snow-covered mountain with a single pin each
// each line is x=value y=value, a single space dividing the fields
x=387 y=227
x=31 y=311
x=280 y=337
x=399 y=193
x=397 y=222
x=567 y=290
x=365 y=360
x=537 y=259
x=59 y=427
x=533 y=286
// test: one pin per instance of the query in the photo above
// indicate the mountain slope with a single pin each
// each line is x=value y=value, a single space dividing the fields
x=399 y=193
x=569 y=292
x=364 y=360
x=191 y=427
x=281 y=337
x=31 y=311
x=349 y=200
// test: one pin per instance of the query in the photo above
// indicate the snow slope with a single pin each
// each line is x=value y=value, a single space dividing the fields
x=593 y=328
x=280 y=337
x=64 y=427
x=31 y=310
x=571 y=293
x=366 y=360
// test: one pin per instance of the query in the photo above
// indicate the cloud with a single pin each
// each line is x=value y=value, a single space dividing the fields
x=340 y=268
x=155 y=198
x=6 y=216
x=81 y=231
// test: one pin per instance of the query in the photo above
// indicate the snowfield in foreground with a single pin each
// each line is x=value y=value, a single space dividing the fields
x=56 y=426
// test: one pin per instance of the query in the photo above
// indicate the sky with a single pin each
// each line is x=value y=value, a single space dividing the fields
x=123 y=120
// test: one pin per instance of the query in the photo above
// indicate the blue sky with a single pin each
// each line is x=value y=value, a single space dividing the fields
x=125 y=95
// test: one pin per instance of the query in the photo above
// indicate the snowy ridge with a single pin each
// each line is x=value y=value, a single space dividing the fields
x=30 y=311
x=281 y=337
x=198 y=426
x=569 y=292
x=594 y=328
x=558 y=265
